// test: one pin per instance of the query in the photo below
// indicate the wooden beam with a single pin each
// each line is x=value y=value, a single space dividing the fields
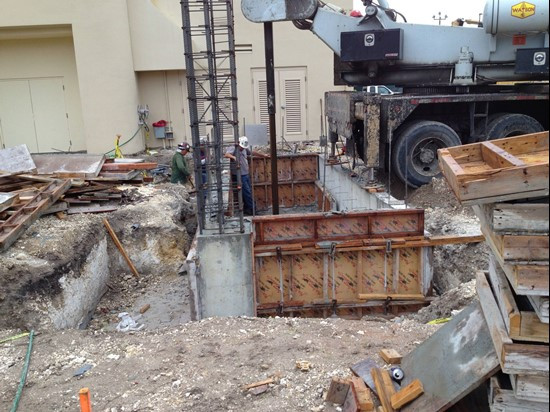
x=520 y=218
x=120 y=248
x=408 y=394
x=363 y=394
x=384 y=296
x=391 y=356
x=384 y=387
x=128 y=166
x=497 y=157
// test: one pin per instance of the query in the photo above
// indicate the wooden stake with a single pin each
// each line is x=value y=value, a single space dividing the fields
x=120 y=247
x=85 y=400
x=391 y=356
x=384 y=387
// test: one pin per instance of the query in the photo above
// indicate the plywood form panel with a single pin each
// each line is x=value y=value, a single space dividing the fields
x=307 y=278
x=322 y=227
x=268 y=279
x=345 y=277
x=305 y=168
x=410 y=279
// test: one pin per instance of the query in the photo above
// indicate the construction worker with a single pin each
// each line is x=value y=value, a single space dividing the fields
x=244 y=152
x=180 y=169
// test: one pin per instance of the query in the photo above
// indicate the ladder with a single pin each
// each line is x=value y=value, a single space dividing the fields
x=209 y=42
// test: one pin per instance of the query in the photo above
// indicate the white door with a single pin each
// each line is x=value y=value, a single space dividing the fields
x=290 y=96
x=16 y=116
x=50 y=114
x=33 y=112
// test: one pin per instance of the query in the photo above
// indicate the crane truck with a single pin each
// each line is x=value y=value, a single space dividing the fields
x=460 y=84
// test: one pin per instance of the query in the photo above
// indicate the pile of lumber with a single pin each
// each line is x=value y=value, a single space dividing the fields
x=373 y=388
x=506 y=182
x=36 y=185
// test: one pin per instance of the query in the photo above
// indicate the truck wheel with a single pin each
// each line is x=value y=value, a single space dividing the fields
x=511 y=124
x=414 y=153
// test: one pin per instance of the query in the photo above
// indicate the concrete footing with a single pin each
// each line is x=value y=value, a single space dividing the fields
x=220 y=275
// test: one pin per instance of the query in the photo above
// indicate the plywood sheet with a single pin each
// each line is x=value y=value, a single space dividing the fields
x=82 y=166
x=16 y=160
x=452 y=362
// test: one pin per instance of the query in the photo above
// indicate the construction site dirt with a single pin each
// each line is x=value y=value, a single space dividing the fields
x=168 y=363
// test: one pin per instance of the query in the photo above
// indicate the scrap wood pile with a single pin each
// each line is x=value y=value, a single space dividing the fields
x=32 y=186
x=506 y=183
x=369 y=382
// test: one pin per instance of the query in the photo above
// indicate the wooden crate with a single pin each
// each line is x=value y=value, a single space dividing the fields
x=515 y=358
x=521 y=325
x=531 y=388
x=502 y=399
x=498 y=170
x=515 y=218
x=512 y=247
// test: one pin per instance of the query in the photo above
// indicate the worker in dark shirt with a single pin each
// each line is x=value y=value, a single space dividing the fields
x=180 y=169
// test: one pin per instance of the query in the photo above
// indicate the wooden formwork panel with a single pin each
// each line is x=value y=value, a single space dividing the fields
x=324 y=276
x=291 y=168
x=335 y=227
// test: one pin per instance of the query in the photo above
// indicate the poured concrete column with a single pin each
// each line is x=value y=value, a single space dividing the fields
x=222 y=282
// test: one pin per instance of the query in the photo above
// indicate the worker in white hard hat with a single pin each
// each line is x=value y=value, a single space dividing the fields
x=243 y=153
x=180 y=169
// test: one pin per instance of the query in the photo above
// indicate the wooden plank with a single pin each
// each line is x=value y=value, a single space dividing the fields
x=515 y=248
x=338 y=391
x=363 y=370
x=520 y=325
x=120 y=248
x=256 y=384
x=127 y=166
x=504 y=400
x=514 y=358
x=15 y=160
x=74 y=165
x=363 y=394
x=17 y=223
x=384 y=387
x=531 y=388
x=408 y=394
x=452 y=362
x=391 y=356
x=526 y=279
x=391 y=296
x=521 y=218
x=541 y=306
x=351 y=404
x=499 y=158
x=91 y=209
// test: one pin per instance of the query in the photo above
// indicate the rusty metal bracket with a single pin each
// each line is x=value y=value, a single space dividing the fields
x=387 y=304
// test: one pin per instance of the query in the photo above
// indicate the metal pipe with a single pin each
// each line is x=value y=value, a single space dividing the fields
x=270 y=77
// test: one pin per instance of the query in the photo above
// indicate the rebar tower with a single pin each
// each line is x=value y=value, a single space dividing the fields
x=208 y=36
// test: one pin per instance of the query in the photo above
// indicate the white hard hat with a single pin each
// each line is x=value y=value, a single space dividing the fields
x=243 y=142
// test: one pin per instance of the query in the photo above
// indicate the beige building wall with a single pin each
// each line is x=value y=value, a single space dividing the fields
x=130 y=52
x=37 y=55
x=103 y=56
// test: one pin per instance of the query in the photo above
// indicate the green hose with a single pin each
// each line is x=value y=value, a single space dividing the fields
x=127 y=141
x=23 y=374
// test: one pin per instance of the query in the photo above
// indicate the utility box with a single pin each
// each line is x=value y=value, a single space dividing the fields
x=160 y=132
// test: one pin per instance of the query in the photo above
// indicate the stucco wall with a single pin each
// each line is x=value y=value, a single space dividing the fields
x=47 y=57
x=103 y=56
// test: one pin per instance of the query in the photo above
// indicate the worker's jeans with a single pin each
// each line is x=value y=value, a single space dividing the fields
x=248 y=200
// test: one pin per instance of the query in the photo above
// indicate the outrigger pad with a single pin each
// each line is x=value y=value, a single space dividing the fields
x=264 y=11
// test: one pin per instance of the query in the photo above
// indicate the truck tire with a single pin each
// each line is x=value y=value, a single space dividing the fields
x=414 y=153
x=511 y=124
